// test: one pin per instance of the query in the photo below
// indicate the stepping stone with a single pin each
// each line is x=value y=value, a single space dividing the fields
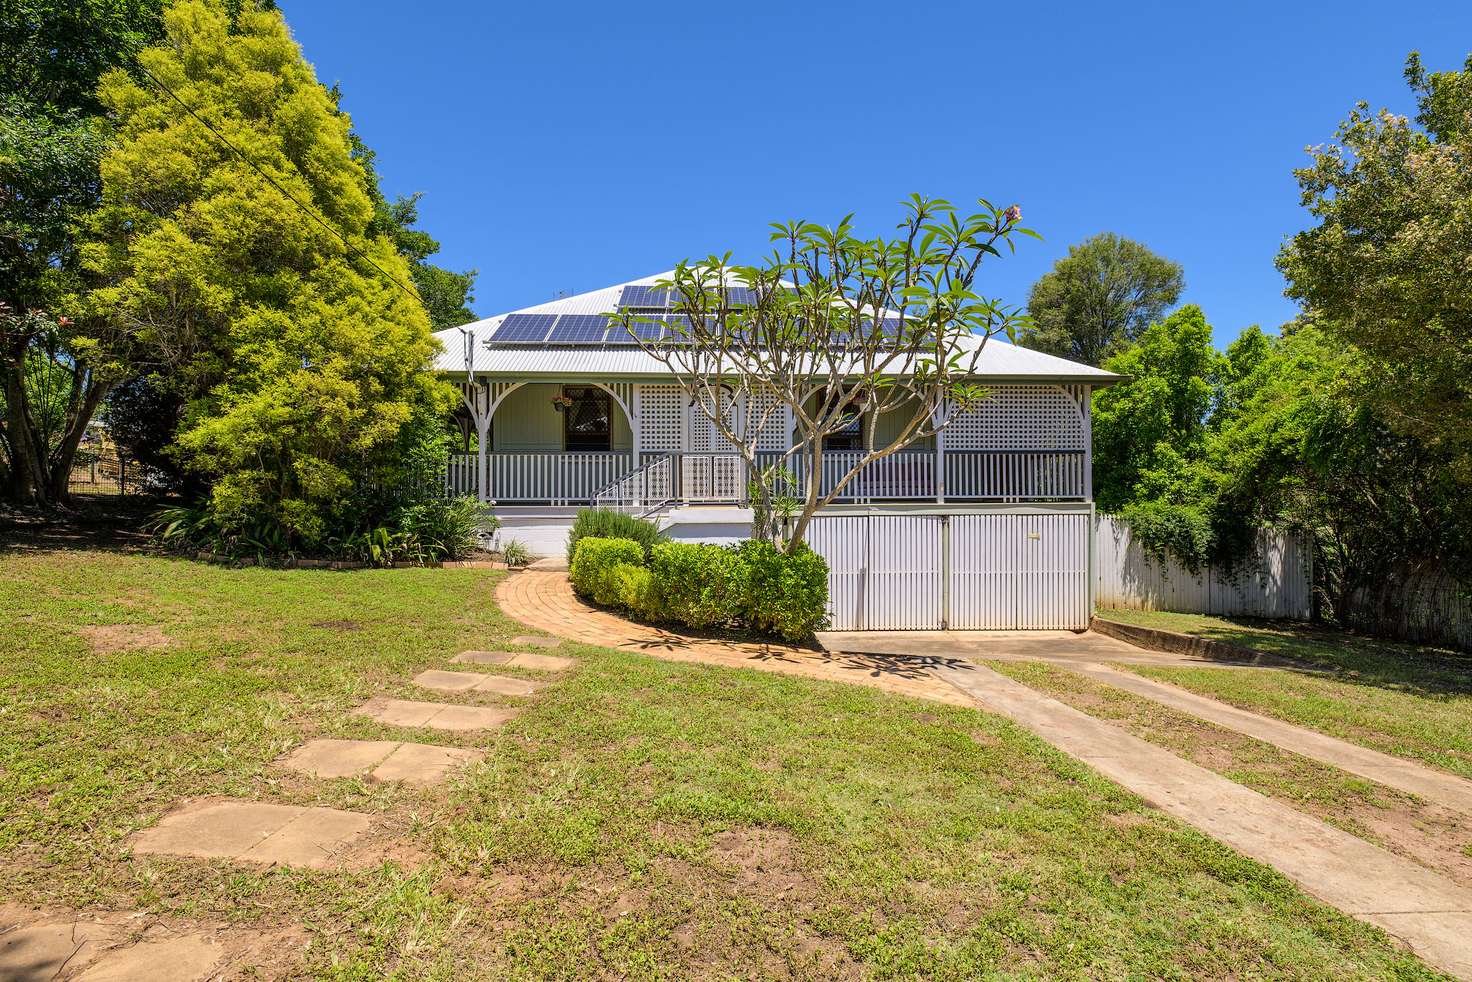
x=447 y=681
x=252 y=832
x=40 y=952
x=420 y=763
x=483 y=657
x=379 y=760
x=475 y=682
x=524 y=659
x=536 y=641
x=434 y=715
x=339 y=758
x=187 y=958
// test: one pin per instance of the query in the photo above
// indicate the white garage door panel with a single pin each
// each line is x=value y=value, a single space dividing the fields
x=904 y=573
x=983 y=573
x=843 y=544
x=1006 y=571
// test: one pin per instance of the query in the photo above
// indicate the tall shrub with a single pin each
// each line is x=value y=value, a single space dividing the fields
x=606 y=524
x=285 y=318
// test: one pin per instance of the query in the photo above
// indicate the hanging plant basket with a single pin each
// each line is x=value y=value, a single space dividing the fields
x=561 y=403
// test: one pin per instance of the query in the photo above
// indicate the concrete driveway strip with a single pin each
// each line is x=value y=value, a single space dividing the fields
x=1430 y=913
x=1435 y=786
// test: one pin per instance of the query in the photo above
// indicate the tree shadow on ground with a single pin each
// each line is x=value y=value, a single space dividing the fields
x=111 y=523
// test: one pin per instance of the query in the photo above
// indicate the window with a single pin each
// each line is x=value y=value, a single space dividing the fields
x=587 y=423
x=851 y=435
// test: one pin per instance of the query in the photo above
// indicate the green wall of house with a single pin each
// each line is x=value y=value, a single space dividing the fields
x=527 y=421
x=889 y=426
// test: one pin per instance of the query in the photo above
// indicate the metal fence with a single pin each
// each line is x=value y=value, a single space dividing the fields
x=1276 y=580
x=105 y=472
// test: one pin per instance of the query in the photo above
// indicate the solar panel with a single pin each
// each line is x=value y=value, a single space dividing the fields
x=618 y=334
x=743 y=296
x=523 y=328
x=578 y=329
x=643 y=296
x=679 y=328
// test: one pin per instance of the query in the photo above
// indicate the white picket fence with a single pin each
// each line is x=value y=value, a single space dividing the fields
x=1275 y=581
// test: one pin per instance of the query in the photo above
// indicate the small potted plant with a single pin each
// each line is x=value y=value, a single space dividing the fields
x=561 y=402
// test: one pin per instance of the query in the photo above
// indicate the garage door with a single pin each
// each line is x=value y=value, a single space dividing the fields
x=963 y=572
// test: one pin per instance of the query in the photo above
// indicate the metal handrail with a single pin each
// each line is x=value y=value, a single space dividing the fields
x=644 y=490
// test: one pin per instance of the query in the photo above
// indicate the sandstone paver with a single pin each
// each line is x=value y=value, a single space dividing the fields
x=447 y=681
x=44 y=951
x=516 y=659
x=420 y=763
x=379 y=760
x=338 y=758
x=435 y=715
x=544 y=600
x=1435 y=786
x=483 y=657
x=1429 y=912
x=127 y=947
x=255 y=832
x=502 y=685
x=184 y=958
x=475 y=682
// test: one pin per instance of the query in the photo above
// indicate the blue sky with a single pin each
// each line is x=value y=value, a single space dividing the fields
x=568 y=146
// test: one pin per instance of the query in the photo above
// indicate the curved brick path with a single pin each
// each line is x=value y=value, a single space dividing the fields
x=544 y=600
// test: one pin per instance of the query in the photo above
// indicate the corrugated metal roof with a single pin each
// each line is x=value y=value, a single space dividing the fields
x=999 y=360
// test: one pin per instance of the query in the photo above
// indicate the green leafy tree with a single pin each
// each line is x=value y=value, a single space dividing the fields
x=832 y=326
x=1099 y=297
x=1147 y=427
x=260 y=286
x=1385 y=268
x=54 y=368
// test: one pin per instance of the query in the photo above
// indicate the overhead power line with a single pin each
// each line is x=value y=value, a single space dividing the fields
x=306 y=209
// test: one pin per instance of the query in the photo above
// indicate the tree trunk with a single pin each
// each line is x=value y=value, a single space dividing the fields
x=27 y=472
x=66 y=453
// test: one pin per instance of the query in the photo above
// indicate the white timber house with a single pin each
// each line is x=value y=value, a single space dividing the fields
x=985 y=526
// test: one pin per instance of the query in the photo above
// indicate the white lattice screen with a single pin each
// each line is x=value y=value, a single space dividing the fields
x=1019 y=417
x=661 y=418
x=705 y=436
x=773 y=435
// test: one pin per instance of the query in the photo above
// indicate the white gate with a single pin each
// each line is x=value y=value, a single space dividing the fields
x=991 y=571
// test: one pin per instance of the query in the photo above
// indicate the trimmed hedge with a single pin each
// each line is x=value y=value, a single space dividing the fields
x=699 y=586
x=750 y=586
x=595 y=558
x=783 y=595
x=634 y=589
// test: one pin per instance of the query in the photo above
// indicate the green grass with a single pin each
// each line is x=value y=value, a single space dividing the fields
x=640 y=818
x=1403 y=699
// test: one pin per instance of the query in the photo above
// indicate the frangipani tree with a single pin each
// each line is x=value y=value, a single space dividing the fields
x=831 y=328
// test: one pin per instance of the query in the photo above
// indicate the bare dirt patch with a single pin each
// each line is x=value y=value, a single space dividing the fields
x=765 y=864
x=108 y=638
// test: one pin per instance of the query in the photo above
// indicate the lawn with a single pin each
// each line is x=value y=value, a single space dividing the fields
x=1410 y=700
x=639 y=818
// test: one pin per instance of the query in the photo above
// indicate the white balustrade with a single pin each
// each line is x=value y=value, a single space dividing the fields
x=908 y=475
